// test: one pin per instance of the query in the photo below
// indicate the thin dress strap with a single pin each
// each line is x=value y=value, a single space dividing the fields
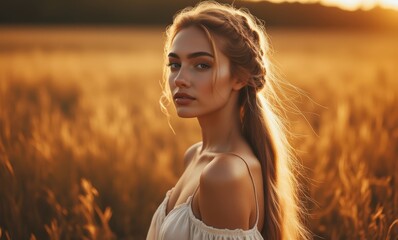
x=197 y=187
x=254 y=185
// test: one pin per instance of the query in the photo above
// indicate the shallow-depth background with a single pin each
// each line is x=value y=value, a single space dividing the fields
x=85 y=151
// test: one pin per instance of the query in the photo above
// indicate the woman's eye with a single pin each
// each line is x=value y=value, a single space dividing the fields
x=203 y=66
x=173 y=66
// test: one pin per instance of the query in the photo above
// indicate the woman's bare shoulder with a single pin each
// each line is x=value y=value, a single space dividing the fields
x=190 y=153
x=225 y=193
x=223 y=167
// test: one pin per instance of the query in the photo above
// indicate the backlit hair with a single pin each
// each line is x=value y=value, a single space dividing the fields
x=246 y=45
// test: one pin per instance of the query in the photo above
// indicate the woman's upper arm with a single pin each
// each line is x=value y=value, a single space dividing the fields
x=226 y=195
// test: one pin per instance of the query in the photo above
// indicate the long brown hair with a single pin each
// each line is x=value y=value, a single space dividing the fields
x=247 y=47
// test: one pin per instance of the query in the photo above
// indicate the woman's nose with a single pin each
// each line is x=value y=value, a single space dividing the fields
x=181 y=80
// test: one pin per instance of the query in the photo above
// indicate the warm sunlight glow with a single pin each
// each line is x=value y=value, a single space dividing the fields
x=350 y=4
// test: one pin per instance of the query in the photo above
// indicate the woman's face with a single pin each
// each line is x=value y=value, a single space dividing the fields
x=192 y=65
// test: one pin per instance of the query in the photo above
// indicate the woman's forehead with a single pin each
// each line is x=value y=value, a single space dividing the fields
x=191 y=39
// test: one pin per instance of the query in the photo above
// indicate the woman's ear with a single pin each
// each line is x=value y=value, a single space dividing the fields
x=238 y=83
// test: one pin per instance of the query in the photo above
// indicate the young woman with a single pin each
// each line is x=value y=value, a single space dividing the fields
x=238 y=182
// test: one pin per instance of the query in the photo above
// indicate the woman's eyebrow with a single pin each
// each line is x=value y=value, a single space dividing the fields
x=192 y=55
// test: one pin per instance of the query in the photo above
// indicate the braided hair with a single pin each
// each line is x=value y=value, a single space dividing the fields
x=247 y=47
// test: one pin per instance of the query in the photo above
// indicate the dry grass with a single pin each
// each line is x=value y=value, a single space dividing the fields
x=85 y=152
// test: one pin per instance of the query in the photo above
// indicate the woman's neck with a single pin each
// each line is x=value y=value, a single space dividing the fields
x=220 y=131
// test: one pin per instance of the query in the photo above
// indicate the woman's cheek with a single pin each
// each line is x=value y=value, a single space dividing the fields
x=224 y=80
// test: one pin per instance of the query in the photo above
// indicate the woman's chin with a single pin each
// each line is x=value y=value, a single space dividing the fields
x=184 y=114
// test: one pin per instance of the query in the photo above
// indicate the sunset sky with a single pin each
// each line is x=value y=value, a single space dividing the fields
x=349 y=4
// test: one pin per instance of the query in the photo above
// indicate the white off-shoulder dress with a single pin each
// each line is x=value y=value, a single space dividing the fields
x=181 y=224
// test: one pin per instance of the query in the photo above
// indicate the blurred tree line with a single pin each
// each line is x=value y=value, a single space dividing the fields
x=160 y=12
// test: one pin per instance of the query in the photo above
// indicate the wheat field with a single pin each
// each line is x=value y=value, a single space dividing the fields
x=85 y=152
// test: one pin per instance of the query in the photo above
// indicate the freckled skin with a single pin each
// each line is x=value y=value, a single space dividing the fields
x=194 y=76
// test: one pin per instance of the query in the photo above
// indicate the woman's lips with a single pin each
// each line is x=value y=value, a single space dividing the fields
x=183 y=98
